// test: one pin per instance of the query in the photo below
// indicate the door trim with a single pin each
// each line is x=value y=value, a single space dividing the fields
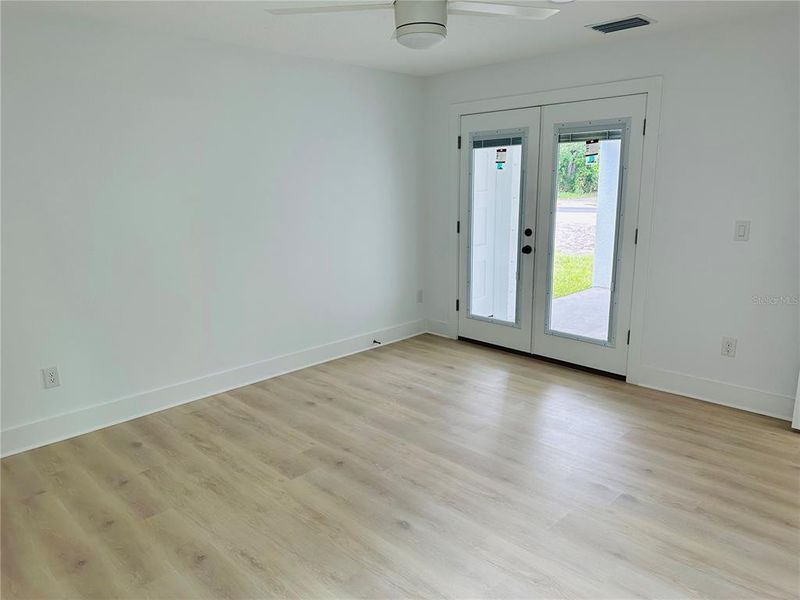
x=651 y=86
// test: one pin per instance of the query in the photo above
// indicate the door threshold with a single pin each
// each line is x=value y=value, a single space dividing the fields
x=554 y=361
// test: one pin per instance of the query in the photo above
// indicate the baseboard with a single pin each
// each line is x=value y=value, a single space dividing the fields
x=718 y=392
x=441 y=328
x=67 y=425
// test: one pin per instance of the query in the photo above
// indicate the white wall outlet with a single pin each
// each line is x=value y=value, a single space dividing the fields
x=419 y=296
x=50 y=377
x=741 y=231
x=729 y=347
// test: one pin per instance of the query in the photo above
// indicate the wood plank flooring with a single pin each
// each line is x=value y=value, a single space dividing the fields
x=428 y=468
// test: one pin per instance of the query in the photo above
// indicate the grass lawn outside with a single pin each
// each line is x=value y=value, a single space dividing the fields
x=572 y=273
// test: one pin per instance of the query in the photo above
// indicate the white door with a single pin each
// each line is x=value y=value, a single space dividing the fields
x=591 y=155
x=499 y=164
x=548 y=212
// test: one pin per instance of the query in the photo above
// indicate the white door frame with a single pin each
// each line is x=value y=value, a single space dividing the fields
x=647 y=85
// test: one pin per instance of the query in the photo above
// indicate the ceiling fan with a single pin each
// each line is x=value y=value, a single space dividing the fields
x=421 y=24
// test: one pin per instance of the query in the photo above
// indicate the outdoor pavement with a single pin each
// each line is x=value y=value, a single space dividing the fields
x=576 y=221
x=582 y=313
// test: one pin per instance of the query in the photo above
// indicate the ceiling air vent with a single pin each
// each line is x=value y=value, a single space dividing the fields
x=621 y=24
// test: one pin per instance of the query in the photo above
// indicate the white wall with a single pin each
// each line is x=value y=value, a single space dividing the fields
x=728 y=151
x=181 y=217
x=173 y=209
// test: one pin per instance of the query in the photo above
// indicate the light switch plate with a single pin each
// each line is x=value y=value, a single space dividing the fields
x=741 y=232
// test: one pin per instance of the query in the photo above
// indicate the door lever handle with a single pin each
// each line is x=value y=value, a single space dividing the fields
x=527 y=249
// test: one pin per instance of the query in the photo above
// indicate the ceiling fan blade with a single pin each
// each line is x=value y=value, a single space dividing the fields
x=305 y=8
x=490 y=9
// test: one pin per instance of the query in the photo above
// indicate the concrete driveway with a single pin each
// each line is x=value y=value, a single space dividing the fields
x=576 y=222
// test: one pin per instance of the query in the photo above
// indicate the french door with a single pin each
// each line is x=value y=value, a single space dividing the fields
x=549 y=199
x=499 y=174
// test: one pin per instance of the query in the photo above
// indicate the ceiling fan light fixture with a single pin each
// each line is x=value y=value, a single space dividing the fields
x=421 y=36
x=420 y=24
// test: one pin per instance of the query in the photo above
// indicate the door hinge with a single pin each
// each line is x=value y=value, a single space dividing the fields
x=644 y=128
x=636 y=237
x=629 y=337
x=458 y=226
x=459 y=142
x=456 y=305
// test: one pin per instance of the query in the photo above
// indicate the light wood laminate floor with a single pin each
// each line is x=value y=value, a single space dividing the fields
x=428 y=468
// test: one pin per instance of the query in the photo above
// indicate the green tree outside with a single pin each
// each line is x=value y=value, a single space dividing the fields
x=576 y=178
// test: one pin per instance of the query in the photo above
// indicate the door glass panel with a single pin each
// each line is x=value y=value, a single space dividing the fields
x=585 y=227
x=495 y=205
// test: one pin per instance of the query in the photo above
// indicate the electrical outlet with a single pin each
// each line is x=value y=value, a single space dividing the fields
x=729 y=347
x=419 y=296
x=50 y=377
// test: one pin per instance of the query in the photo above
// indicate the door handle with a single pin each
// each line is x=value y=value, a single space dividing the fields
x=527 y=249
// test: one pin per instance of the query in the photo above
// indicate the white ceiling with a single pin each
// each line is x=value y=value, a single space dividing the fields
x=362 y=38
